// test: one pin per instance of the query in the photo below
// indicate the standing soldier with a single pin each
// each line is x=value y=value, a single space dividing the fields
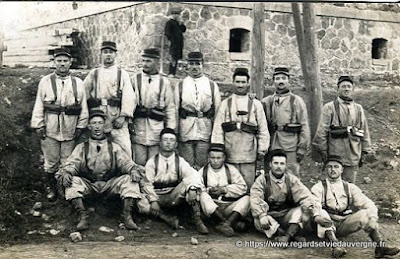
x=287 y=120
x=174 y=30
x=240 y=124
x=156 y=107
x=59 y=116
x=225 y=196
x=109 y=89
x=343 y=130
x=197 y=99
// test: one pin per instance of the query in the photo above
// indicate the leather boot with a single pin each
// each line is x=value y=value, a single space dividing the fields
x=290 y=233
x=236 y=223
x=337 y=252
x=127 y=214
x=225 y=226
x=172 y=221
x=51 y=188
x=83 y=222
x=201 y=228
x=381 y=250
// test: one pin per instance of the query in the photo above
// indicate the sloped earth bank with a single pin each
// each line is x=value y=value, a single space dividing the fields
x=22 y=185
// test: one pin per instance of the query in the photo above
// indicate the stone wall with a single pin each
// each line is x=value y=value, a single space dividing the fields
x=344 y=43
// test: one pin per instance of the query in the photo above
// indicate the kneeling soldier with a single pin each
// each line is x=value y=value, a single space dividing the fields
x=226 y=196
x=336 y=197
x=169 y=180
x=278 y=198
x=101 y=166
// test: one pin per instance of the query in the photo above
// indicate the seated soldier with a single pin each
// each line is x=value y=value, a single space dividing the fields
x=225 y=196
x=280 y=199
x=101 y=166
x=169 y=180
x=336 y=197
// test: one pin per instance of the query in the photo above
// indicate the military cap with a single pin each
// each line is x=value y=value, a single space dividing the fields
x=168 y=131
x=109 y=45
x=151 y=53
x=218 y=147
x=97 y=113
x=241 y=71
x=334 y=158
x=344 y=78
x=281 y=70
x=196 y=55
x=61 y=51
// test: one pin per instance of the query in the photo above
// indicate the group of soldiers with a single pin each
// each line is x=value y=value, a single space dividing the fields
x=158 y=146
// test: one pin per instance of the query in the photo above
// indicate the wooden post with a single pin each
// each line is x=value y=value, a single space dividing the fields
x=298 y=24
x=312 y=67
x=257 y=50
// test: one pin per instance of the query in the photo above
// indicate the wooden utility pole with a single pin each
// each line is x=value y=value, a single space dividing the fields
x=308 y=50
x=257 y=50
x=312 y=66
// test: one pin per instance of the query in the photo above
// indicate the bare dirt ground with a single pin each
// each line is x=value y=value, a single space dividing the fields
x=22 y=185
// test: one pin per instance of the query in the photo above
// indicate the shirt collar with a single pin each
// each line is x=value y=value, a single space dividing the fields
x=344 y=102
x=168 y=158
x=276 y=180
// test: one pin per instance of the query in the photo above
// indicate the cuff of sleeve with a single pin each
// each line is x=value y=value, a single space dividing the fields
x=262 y=215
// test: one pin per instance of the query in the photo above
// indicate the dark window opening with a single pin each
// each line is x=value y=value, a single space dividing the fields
x=239 y=40
x=379 y=48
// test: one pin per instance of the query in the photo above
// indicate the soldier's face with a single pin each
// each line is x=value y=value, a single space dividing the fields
x=278 y=166
x=241 y=85
x=108 y=56
x=168 y=142
x=217 y=159
x=62 y=63
x=96 y=127
x=149 y=65
x=281 y=82
x=334 y=169
x=346 y=89
x=195 y=68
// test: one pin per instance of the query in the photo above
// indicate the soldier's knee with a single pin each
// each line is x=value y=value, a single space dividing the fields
x=363 y=218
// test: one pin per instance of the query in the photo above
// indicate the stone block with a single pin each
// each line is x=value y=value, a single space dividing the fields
x=335 y=43
x=325 y=43
x=205 y=13
x=395 y=64
x=277 y=18
x=291 y=32
x=270 y=26
x=321 y=34
x=338 y=23
x=282 y=29
x=325 y=22
x=344 y=47
x=344 y=63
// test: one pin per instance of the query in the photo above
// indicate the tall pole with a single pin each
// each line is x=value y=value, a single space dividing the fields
x=257 y=50
x=312 y=67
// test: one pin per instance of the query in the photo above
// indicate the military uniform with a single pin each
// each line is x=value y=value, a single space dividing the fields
x=287 y=119
x=240 y=124
x=110 y=89
x=196 y=100
x=60 y=110
x=280 y=200
x=155 y=110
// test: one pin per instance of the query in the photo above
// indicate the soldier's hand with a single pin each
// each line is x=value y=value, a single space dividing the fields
x=118 y=122
x=324 y=222
x=66 y=180
x=41 y=132
x=299 y=157
x=135 y=176
x=191 y=197
x=217 y=191
x=78 y=133
x=155 y=208
x=264 y=222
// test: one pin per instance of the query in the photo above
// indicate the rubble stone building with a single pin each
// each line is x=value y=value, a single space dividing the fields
x=358 y=39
